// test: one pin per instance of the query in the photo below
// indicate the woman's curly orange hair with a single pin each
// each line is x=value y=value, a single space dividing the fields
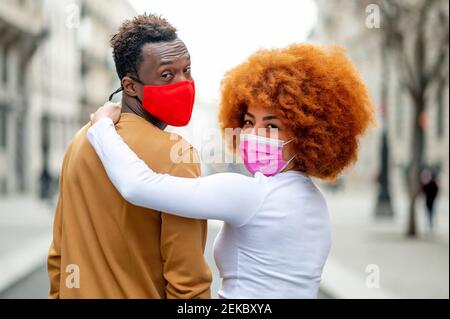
x=316 y=91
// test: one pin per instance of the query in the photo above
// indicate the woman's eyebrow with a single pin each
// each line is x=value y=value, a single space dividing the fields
x=250 y=114
x=269 y=117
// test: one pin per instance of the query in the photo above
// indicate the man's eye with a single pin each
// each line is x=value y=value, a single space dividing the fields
x=248 y=123
x=272 y=127
x=166 y=75
x=188 y=69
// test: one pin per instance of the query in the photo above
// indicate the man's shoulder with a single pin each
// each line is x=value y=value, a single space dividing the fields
x=78 y=138
x=160 y=149
x=141 y=132
x=79 y=144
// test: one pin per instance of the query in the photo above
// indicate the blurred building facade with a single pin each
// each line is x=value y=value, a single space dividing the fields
x=343 y=22
x=21 y=33
x=55 y=65
x=99 y=21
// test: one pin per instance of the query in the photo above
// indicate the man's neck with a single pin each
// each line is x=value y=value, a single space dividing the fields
x=130 y=105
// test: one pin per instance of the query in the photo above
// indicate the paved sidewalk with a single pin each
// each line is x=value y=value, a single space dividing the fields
x=363 y=246
x=25 y=236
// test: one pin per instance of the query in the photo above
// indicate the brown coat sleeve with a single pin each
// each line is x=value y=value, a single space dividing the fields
x=182 y=247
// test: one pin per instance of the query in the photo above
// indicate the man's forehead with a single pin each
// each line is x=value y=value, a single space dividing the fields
x=166 y=51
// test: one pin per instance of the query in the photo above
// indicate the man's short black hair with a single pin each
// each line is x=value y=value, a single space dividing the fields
x=132 y=35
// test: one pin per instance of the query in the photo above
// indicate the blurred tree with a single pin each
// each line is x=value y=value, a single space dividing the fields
x=417 y=32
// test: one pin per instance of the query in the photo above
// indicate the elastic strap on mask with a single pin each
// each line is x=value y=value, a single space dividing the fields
x=289 y=141
x=138 y=99
x=155 y=121
x=115 y=92
x=288 y=162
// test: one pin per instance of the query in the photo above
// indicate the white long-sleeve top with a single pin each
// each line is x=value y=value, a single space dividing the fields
x=276 y=236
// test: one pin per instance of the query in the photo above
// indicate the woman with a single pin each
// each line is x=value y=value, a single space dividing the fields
x=276 y=235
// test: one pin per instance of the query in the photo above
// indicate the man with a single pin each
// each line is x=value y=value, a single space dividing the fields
x=104 y=247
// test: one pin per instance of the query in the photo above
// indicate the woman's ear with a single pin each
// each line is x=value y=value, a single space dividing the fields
x=129 y=87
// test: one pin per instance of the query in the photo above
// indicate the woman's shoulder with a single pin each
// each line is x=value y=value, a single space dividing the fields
x=300 y=187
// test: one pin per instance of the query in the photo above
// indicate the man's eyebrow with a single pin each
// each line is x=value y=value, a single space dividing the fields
x=165 y=62
x=169 y=61
x=250 y=114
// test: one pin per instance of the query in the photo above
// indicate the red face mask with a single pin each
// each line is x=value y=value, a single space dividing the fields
x=172 y=103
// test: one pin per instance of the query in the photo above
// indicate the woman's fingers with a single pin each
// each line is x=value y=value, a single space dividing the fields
x=112 y=105
x=115 y=110
x=109 y=109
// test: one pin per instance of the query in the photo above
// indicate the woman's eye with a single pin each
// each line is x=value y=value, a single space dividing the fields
x=272 y=126
x=187 y=70
x=248 y=123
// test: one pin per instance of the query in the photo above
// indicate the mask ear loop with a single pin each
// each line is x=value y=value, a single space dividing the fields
x=121 y=88
x=290 y=160
x=285 y=143
x=140 y=82
x=115 y=92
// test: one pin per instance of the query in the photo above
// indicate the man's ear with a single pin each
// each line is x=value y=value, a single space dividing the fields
x=129 y=87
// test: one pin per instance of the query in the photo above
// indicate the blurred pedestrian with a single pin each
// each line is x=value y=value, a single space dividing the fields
x=430 y=190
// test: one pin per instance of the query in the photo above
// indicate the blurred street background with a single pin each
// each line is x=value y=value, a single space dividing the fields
x=390 y=212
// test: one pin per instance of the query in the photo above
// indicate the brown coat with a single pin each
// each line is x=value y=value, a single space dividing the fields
x=120 y=250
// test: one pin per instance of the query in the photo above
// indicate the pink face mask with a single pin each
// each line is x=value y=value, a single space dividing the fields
x=262 y=154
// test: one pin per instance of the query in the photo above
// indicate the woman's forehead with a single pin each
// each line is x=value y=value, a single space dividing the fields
x=259 y=110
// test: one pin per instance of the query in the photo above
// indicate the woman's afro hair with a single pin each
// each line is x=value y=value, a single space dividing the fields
x=316 y=91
